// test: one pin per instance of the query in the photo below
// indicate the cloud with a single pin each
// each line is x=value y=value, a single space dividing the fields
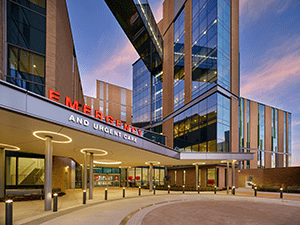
x=252 y=10
x=296 y=123
x=279 y=68
x=114 y=68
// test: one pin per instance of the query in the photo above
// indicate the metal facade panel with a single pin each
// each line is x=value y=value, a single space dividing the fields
x=18 y=102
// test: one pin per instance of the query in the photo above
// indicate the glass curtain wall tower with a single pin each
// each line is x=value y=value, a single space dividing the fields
x=200 y=89
x=204 y=96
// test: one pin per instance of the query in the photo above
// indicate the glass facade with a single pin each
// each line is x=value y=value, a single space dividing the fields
x=284 y=139
x=210 y=45
x=24 y=170
x=290 y=140
x=141 y=94
x=157 y=92
x=261 y=136
x=204 y=127
x=212 y=177
x=26 y=37
x=179 y=74
x=248 y=131
x=140 y=176
x=35 y=5
x=241 y=128
x=274 y=147
x=123 y=106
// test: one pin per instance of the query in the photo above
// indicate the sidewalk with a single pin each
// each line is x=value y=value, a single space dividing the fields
x=71 y=203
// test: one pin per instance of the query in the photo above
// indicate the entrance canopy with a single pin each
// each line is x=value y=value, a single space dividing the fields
x=22 y=113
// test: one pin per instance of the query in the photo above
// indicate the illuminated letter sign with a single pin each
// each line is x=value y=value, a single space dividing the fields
x=55 y=96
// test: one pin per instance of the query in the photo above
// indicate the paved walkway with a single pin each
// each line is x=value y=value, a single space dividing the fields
x=162 y=208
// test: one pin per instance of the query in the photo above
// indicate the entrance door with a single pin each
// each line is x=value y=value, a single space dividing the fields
x=114 y=180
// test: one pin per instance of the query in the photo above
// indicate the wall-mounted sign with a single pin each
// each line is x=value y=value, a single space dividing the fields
x=102 y=128
x=55 y=96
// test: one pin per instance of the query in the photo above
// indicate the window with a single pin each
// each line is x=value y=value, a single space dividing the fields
x=179 y=74
x=23 y=169
x=26 y=28
x=123 y=96
x=36 y=5
x=138 y=176
x=141 y=97
x=204 y=127
x=162 y=176
x=123 y=113
x=261 y=136
x=212 y=177
x=11 y=177
x=26 y=70
x=101 y=90
x=145 y=176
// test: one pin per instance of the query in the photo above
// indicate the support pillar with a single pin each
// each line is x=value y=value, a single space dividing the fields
x=85 y=172
x=48 y=172
x=91 y=176
x=233 y=173
x=2 y=173
x=73 y=174
x=227 y=178
x=197 y=176
x=150 y=177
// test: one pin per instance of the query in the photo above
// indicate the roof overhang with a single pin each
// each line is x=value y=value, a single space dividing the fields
x=23 y=112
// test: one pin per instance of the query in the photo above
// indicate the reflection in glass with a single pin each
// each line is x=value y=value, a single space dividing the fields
x=30 y=171
x=26 y=70
x=274 y=137
x=210 y=45
x=11 y=171
x=141 y=94
x=261 y=136
x=179 y=74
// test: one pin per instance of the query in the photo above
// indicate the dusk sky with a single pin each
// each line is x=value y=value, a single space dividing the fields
x=269 y=52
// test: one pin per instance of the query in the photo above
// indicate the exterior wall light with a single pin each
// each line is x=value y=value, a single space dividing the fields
x=57 y=137
x=93 y=150
x=9 y=147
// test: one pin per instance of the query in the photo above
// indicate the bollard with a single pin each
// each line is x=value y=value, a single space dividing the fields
x=9 y=213
x=255 y=191
x=105 y=194
x=123 y=192
x=215 y=190
x=84 y=196
x=198 y=189
x=55 y=202
x=139 y=190
x=281 y=192
x=183 y=187
x=154 y=190
x=233 y=190
x=168 y=189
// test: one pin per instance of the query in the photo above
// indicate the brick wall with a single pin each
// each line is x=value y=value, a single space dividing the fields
x=272 y=177
x=60 y=174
